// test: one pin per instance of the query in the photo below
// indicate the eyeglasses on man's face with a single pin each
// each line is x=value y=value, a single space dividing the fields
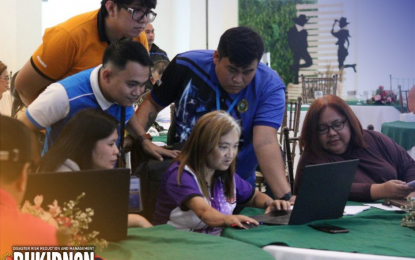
x=336 y=126
x=6 y=78
x=138 y=15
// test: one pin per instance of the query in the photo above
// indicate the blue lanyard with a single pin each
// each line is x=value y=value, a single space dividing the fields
x=233 y=103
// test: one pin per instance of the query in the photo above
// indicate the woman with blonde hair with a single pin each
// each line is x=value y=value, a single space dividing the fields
x=200 y=190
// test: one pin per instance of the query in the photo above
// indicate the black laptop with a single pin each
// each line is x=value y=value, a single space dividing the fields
x=106 y=192
x=322 y=195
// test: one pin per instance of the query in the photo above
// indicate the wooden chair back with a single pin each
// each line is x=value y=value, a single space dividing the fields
x=289 y=147
x=291 y=118
x=290 y=136
x=312 y=84
x=402 y=94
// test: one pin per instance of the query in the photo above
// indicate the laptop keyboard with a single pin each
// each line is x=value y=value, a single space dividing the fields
x=274 y=218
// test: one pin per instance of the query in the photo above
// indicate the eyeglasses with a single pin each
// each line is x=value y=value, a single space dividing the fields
x=138 y=15
x=336 y=126
x=6 y=78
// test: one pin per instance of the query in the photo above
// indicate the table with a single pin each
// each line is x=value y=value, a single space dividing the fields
x=284 y=252
x=165 y=242
x=160 y=138
x=374 y=232
x=403 y=133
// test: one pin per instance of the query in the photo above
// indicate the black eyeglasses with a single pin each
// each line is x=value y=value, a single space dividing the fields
x=138 y=15
x=6 y=78
x=336 y=126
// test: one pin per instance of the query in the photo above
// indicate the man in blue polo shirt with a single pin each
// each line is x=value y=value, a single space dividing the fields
x=231 y=79
x=119 y=81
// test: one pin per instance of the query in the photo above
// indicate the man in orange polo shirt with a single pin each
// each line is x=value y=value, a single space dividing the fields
x=79 y=43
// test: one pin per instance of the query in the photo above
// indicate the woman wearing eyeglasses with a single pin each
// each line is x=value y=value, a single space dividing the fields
x=5 y=96
x=331 y=132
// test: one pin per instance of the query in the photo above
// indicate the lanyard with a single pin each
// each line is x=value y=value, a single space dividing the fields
x=233 y=103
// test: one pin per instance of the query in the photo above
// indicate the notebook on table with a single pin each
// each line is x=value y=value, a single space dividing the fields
x=322 y=195
x=106 y=192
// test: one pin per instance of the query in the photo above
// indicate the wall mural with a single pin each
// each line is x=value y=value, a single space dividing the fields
x=297 y=39
x=303 y=37
x=343 y=36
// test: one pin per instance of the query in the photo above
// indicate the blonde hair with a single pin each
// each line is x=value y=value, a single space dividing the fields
x=202 y=141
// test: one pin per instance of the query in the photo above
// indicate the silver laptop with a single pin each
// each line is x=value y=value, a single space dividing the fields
x=322 y=195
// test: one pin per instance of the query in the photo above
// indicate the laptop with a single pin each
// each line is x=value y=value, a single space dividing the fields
x=322 y=195
x=106 y=192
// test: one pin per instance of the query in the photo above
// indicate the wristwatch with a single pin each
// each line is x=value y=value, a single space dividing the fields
x=141 y=138
x=287 y=196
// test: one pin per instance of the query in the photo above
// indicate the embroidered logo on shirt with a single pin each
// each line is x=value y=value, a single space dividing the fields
x=243 y=106
x=41 y=61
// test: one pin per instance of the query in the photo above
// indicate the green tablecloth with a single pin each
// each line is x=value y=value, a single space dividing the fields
x=165 y=242
x=374 y=231
x=403 y=133
x=161 y=138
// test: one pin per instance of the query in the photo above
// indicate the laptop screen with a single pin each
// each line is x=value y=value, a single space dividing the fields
x=323 y=191
x=322 y=194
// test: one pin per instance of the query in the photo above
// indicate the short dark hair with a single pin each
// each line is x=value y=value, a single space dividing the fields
x=309 y=133
x=150 y=4
x=241 y=45
x=78 y=138
x=15 y=148
x=121 y=52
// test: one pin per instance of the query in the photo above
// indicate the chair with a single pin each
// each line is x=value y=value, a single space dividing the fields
x=290 y=144
x=151 y=173
x=291 y=120
x=403 y=93
x=291 y=123
x=259 y=180
x=291 y=116
x=310 y=85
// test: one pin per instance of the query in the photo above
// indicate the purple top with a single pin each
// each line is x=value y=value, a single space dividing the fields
x=171 y=197
x=381 y=161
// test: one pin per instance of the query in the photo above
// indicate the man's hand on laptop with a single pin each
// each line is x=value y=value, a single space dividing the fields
x=274 y=205
x=158 y=152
